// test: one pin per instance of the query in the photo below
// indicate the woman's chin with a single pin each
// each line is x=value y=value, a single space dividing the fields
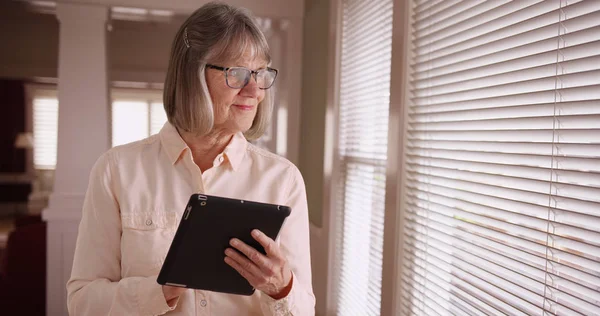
x=240 y=127
x=243 y=125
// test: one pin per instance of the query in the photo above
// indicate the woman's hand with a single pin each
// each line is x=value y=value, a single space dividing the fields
x=270 y=274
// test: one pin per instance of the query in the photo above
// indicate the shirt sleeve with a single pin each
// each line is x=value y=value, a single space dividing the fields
x=294 y=241
x=96 y=286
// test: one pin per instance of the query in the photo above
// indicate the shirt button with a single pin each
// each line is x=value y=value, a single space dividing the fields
x=148 y=222
x=221 y=158
x=203 y=303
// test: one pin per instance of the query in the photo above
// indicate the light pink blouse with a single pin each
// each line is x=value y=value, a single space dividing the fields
x=136 y=195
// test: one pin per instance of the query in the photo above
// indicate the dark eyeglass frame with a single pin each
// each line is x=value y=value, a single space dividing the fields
x=253 y=73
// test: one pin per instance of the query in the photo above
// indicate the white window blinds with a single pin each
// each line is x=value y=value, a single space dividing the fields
x=362 y=139
x=45 y=130
x=503 y=159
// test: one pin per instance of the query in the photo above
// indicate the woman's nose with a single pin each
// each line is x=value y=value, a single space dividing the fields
x=251 y=89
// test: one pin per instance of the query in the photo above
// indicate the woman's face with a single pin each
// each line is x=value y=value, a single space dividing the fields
x=235 y=109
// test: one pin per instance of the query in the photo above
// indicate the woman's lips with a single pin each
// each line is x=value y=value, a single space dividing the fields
x=244 y=107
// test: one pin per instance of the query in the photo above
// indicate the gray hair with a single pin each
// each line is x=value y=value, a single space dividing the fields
x=214 y=33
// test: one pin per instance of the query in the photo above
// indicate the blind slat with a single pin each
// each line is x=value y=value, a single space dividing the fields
x=490 y=160
x=573 y=205
x=580 y=15
x=580 y=192
x=468 y=294
x=561 y=306
x=574 y=80
x=468 y=19
x=523 y=148
x=572 y=54
x=562 y=235
x=580 y=93
x=449 y=12
x=518 y=211
x=583 y=37
x=519 y=111
x=475 y=277
x=521 y=250
x=531 y=75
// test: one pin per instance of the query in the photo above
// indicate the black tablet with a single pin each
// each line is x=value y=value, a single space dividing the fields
x=196 y=256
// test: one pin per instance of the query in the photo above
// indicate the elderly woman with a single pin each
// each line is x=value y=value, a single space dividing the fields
x=216 y=97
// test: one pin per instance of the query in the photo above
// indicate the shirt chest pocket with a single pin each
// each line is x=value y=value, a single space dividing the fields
x=145 y=241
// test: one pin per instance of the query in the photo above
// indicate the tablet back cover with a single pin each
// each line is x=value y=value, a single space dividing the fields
x=196 y=256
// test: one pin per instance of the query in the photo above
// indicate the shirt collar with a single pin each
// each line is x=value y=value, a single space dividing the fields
x=174 y=146
x=172 y=142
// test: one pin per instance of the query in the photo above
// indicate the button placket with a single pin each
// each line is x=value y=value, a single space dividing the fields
x=202 y=304
x=195 y=171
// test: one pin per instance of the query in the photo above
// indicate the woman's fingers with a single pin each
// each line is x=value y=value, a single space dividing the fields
x=241 y=270
x=269 y=244
x=268 y=273
x=258 y=258
x=243 y=263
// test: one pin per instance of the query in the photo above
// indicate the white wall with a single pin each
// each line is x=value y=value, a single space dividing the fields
x=138 y=51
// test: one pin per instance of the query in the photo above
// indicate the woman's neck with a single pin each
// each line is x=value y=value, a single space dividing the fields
x=205 y=148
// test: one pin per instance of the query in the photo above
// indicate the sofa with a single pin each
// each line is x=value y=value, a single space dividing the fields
x=23 y=268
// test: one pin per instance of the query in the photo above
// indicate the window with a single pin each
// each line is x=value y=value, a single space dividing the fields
x=136 y=120
x=158 y=117
x=362 y=140
x=45 y=130
x=502 y=214
x=135 y=116
x=129 y=121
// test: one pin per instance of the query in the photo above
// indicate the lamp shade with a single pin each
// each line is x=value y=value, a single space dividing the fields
x=24 y=140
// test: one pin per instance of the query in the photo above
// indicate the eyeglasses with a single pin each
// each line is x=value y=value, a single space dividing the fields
x=239 y=77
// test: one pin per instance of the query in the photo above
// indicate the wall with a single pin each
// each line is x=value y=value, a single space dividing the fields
x=312 y=135
x=29 y=43
x=314 y=101
x=138 y=51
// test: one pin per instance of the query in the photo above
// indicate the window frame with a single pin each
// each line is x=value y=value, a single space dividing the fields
x=395 y=206
x=33 y=91
x=50 y=90
x=394 y=209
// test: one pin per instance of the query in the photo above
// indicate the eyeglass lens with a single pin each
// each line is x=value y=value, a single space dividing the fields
x=238 y=77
